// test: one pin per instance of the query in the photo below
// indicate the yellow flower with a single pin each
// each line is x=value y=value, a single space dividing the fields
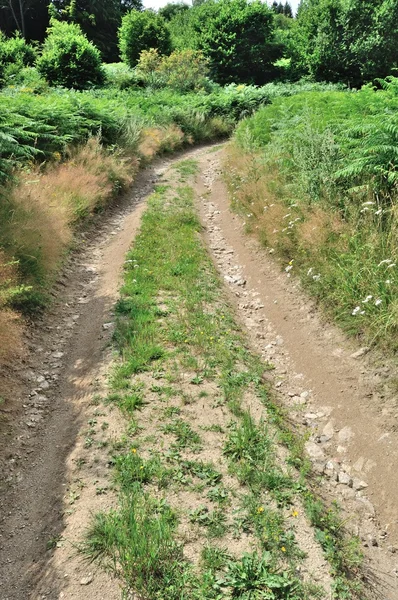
x=283 y=549
x=295 y=513
x=260 y=509
x=134 y=450
x=141 y=467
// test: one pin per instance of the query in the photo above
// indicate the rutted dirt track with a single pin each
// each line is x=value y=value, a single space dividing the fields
x=327 y=390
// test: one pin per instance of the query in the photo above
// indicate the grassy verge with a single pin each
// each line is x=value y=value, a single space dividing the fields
x=315 y=177
x=208 y=509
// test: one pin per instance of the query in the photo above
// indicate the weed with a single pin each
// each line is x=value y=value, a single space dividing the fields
x=186 y=437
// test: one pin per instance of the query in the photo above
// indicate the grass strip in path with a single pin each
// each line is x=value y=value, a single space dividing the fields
x=208 y=509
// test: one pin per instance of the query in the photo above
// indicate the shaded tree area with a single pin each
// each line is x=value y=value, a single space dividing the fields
x=236 y=36
x=351 y=42
x=98 y=19
x=29 y=18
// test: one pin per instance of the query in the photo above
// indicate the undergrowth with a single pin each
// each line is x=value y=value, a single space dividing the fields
x=315 y=177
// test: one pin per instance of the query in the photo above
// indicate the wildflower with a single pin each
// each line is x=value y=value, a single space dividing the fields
x=141 y=467
x=316 y=277
x=289 y=268
x=310 y=271
x=134 y=450
x=356 y=310
x=378 y=302
x=388 y=281
x=260 y=510
x=379 y=212
x=295 y=513
x=283 y=549
x=367 y=299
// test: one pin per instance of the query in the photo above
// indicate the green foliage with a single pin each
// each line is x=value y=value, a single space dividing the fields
x=183 y=71
x=353 y=42
x=236 y=36
x=139 y=540
x=336 y=154
x=15 y=54
x=98 y=19
x=141 y=31
x=254 y=577
x=69 y=59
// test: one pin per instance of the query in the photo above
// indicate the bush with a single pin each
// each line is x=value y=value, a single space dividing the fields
x=183 y=71
x=69 y=59
x=141 y=31
x=15 y=54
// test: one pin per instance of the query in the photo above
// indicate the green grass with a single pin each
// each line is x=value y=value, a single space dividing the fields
x=169 y=264
x=328 y=160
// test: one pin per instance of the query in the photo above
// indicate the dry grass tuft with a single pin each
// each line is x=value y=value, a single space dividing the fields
x=46 y=206
x=10 y=323
x=155 y=140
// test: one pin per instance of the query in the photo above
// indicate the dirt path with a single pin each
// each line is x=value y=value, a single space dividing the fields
x=324 y=380
x=48 y=483
x=69 y=355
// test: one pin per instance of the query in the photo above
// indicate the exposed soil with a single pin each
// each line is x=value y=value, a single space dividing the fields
x=53 y=455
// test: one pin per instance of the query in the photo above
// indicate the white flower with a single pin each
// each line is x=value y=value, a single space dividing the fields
x=388 y=281
x=289 y=268
x=316 y=277
x=378 y=302
x=310 y=271
x=356 y=310
x=367 y=299
x=378 y=212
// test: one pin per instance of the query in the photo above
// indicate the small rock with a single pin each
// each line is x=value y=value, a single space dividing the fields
x=108 y=325
x=314 y=451
x=86 y=580
x=304 y=395
x=360 y=352
x=345 y=434
x=359 y=485
x=58 y=355
x=345 y=479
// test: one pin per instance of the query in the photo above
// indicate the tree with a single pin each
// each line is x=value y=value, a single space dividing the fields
x=69 y=59
x=352 y=41
x=29 y=18
x=238 y=38
x=170 y=10
x=140 y=31
x=98 y=19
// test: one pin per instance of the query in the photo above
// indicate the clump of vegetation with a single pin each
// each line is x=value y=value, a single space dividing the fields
x=69 y=59
x=141 y=31
x=15 y=54
x=319 y=179
x=184 y=70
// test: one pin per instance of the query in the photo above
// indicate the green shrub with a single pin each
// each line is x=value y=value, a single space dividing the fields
x=69 y=59
x=183 y=70
x=141 y=31
x=120 y=75
x=15 y=54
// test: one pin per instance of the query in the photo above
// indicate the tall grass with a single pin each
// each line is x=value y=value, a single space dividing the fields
x=319 y=176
